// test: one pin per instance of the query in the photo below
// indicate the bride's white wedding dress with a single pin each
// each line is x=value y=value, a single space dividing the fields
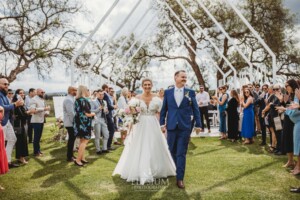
x=146 y=155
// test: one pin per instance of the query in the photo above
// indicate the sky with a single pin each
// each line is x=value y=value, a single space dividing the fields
x=59 y=79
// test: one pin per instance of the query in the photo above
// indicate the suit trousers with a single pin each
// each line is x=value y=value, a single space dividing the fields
x=111 y=130
x=101 y=127
x=38 y=130
x=178 y=141
x=11 y=139
x=71 y=141
x=204 y=114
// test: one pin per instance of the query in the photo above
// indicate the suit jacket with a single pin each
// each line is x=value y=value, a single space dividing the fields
x=8 y=108
x=95 y=104
x=69 y=111
x=38 y=104
x=109 y=105
x=180 y=116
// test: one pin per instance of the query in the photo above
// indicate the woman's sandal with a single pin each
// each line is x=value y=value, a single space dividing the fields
x=272 y=149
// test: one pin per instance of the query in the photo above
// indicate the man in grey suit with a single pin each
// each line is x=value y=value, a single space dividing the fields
x=69 y=113
x=99 y=106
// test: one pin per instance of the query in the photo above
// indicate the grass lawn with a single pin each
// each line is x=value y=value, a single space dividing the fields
x=215 y=170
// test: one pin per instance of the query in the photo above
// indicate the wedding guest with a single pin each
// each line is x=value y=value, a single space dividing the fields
x=133 y=94
x=31 y=94
x=37 y=104
x=69 y=113
x=203 y=99
x=257 y=89
x=109 y=117
x=270 y=112
x=8 y=130
x=248 y=117
x=161 y=93
x=255 y=98
x=241 y=114
x=99 y=107
x=82 y=122
x=288 y=126
x=233 y=116
x=3 y=157
x=256 y=93
x=261 y=102
x=20 y=122
x=293 y=111
x=122 y=101
x=129 y=96
x=112 y=97
x=10 y=95
x=94 y=95
x=222 y=101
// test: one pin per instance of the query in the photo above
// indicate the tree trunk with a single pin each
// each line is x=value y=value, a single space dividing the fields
x=193 y=62
x=13 y=74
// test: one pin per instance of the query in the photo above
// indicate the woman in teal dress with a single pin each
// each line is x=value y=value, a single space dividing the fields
x=82 y=122
x=222 y=111
x=248 y=117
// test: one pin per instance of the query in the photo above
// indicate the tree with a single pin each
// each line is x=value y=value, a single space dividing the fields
x=268 y=17
x=35 y=33
x=111 y=63
x=136 y=70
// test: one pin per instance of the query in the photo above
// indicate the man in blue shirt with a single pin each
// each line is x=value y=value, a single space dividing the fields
x=8 y=130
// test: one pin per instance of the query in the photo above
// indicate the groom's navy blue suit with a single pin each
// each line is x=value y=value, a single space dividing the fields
x=179 y=125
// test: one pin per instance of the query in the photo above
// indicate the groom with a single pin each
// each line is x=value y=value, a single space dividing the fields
x=178 y=106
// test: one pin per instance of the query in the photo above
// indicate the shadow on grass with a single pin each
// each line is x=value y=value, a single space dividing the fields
x=235 y=178
x=57 y=167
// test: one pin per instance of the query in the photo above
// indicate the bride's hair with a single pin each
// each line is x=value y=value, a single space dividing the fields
x=147 y=79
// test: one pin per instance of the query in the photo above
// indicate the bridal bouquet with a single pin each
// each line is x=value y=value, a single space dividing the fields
x=130 y=115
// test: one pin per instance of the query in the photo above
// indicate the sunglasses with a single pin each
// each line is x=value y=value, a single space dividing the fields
x=10 y=93
x=265 y=88
x=43 y=92
x=6 y=84
x=257 y=87
x=275 y=89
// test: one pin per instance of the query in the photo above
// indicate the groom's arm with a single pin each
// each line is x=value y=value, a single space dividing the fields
x=163 y=111
x=196 y=111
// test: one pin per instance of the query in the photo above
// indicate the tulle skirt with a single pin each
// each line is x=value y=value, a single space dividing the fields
x=146 y=155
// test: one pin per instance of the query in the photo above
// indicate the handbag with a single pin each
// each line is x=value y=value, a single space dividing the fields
x=277 y=123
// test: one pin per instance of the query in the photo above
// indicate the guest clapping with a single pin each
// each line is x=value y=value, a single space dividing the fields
x=20 y=122
x=222 y=111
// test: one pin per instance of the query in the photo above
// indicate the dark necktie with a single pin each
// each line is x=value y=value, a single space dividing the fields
x=102 y=111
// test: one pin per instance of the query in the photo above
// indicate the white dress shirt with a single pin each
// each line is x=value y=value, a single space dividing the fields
x=178 y=94
x=202 y=97
x=38 y=104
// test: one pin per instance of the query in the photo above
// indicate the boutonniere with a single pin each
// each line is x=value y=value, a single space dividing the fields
x=187 y=95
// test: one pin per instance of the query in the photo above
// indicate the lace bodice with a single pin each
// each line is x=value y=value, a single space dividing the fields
x=153 y=107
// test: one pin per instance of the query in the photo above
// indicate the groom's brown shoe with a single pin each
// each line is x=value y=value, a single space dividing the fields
x=180 y=184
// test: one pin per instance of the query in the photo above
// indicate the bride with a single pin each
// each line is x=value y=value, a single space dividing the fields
x=146 y=156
